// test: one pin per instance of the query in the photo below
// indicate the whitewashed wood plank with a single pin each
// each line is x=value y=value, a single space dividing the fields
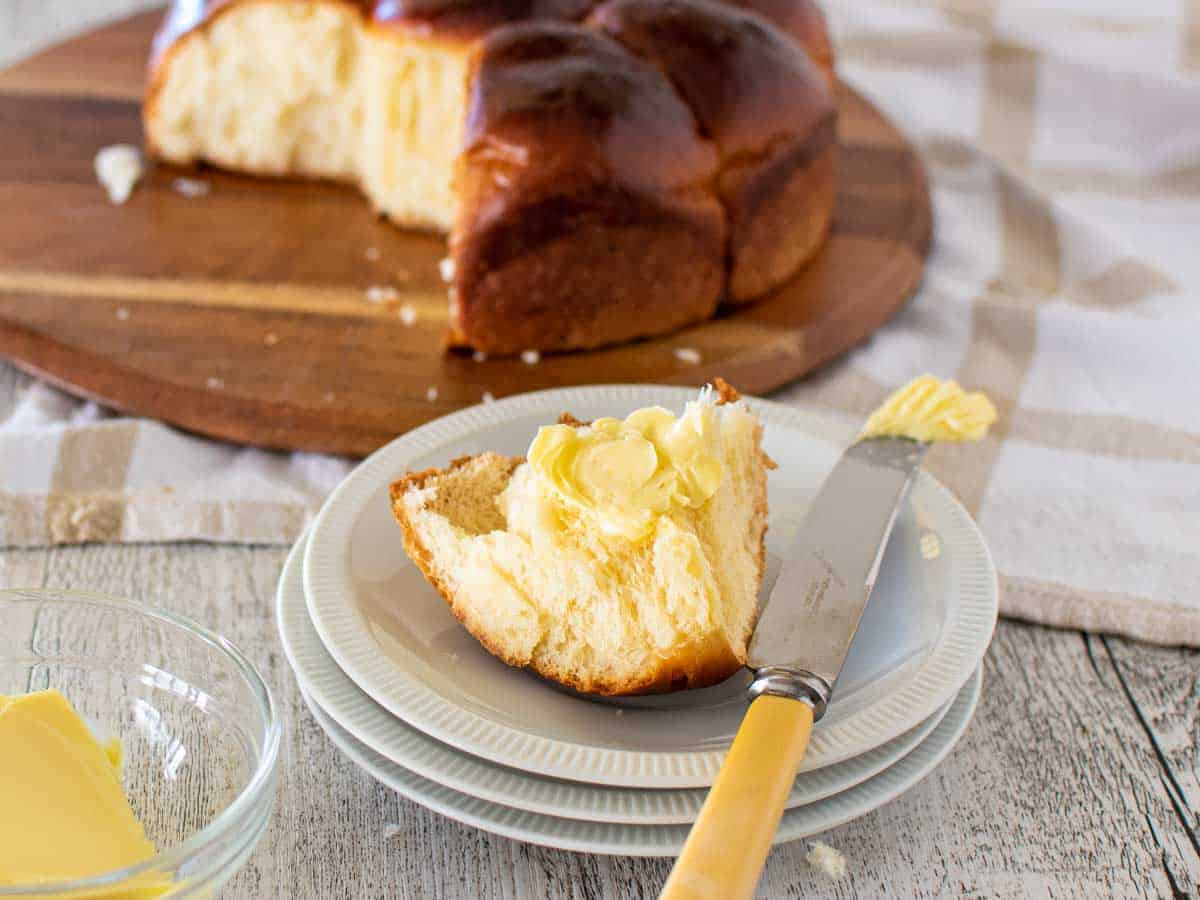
x=1164 y=685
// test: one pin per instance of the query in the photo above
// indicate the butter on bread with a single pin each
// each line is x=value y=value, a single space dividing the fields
x=592 y=609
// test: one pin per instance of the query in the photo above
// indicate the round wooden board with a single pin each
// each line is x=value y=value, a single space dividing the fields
x=243 y=313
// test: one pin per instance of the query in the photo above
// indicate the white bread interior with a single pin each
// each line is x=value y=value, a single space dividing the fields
x=596 y=612
x=356 y=106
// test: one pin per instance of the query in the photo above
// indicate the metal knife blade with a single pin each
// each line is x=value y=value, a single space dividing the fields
x=824 y=584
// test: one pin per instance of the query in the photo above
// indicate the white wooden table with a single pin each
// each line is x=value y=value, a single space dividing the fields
x=1079 y=776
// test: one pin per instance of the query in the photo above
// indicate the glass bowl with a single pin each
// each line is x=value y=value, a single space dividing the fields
x=197 y=724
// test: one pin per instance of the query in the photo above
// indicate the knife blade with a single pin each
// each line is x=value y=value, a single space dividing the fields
x=797 y=651
x=813 y=610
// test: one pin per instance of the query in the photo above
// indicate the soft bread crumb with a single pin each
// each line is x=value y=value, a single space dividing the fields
x=408 y=315
x=119 y=168
x=531 y=357
x=432 y=394
x=214 y=383
x=446 y=269
x=270 y=339
x=379 y=293
x=488 y=397
x=190 y=187
x=479 y=356
x=826 y=859
x=123 y=313
x=689 y=355
x=372 y=254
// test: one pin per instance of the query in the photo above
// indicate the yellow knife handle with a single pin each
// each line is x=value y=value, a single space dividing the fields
x=728 y=845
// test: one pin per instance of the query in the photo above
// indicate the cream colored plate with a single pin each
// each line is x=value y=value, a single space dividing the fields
x=923 y=634
x=659 y=840
x=377 y=729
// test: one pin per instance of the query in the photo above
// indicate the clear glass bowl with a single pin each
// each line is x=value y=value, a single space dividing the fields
x=197 y=724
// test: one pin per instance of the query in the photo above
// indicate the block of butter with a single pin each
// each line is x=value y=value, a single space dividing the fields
x=64 y=814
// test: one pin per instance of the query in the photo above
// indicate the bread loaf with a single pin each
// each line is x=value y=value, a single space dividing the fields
x=604 y=171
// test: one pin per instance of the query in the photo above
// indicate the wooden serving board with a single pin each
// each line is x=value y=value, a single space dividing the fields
x=243 y=313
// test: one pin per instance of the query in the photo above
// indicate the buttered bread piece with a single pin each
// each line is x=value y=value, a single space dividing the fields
x=622 y=556
x=682 y=148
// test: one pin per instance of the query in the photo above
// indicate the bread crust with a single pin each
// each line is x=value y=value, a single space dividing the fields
x=765 y=105
x=780 y=209
x=804 y=22
x=688 y=667
x=587 y=211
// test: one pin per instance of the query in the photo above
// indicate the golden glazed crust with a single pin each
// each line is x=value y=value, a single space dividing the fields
x=687 y=668
x=766 y=107
x=587 y=213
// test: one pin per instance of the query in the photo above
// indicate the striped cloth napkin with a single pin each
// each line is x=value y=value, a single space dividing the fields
x=1063 y=144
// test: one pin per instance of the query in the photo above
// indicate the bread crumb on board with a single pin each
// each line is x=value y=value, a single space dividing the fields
x=381 y=293
x=826 y=859
x=191 y=187
x=119 y=168
x=214 y=383
x=372 y=254
x=479 y=356
x=432 y=394
x=270 y=339
x=689 y=355
x=446 y=269
x=488 y=397
x=123 y=313
x=530 y=357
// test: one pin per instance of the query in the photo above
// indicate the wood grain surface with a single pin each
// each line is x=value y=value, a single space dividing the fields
x=243 y=313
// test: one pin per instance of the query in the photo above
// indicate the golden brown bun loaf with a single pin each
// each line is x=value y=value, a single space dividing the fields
x=766 y=107
x=596 y=613
x=587 y=213
x=606 y=172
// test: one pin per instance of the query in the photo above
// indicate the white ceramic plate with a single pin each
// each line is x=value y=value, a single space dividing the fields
x=923 y=633
x=378 y=730
x=658 y=840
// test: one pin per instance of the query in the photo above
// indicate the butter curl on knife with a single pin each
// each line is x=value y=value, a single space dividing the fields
x=928 y=409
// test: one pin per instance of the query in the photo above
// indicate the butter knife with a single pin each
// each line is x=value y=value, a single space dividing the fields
x=799 y=644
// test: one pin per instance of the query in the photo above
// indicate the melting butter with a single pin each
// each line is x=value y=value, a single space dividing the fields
x=929 y=409
x=625 y=473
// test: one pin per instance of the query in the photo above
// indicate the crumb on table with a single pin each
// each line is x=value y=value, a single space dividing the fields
x=826 y=859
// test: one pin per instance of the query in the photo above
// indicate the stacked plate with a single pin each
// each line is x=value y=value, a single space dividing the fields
x=410 y=697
